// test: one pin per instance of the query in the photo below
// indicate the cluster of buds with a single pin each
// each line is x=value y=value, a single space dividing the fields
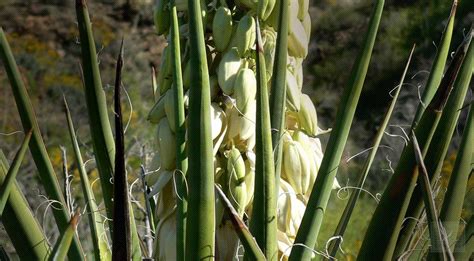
x=230 y=43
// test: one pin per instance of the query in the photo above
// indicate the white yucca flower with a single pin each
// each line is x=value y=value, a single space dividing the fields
x=233 y=118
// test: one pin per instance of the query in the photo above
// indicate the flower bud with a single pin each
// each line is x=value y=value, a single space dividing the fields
x=222 y=28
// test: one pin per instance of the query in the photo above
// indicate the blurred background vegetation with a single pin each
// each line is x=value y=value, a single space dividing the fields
x=44 y=38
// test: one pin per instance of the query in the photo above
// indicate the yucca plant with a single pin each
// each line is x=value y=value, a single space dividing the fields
x=238 y=159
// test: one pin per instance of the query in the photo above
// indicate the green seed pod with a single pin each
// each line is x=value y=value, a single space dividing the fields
x=236 y=188
x=293 y=94
x=297 y=39
x=158 y=111
x=228 y=68
x=166 y=145
x=307 y=116
x=222 y=28
x=244 y=37
x=245 y=89
x=162 y=16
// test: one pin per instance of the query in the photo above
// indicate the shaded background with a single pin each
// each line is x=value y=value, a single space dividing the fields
x=44 y=39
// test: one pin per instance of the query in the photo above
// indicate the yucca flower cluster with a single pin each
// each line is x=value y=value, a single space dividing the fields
x=230 y=41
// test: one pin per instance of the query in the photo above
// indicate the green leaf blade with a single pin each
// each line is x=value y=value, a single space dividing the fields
x=278 y=93
x=263 y=223
x=312 y=219
x=252 y=250
x=12 y=172
x=200 y=227
x=391 y=210
x=101 y=132
x=437 y=68
x=99 y=237
x=22 y=228
x=180 y=127
x=64 y=242
x=451 y=209
x=346 y=215
x=438 y=150
x=37 y=146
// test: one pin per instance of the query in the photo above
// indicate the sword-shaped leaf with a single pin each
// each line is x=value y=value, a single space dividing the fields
x=346 y=215
x=37 y=146
x=263 y=223
x=313 y=216
x=252 y=250
x=98 y=234
x=11 y=175
x=20 y=224
x=391 y=210
x=201 y=224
